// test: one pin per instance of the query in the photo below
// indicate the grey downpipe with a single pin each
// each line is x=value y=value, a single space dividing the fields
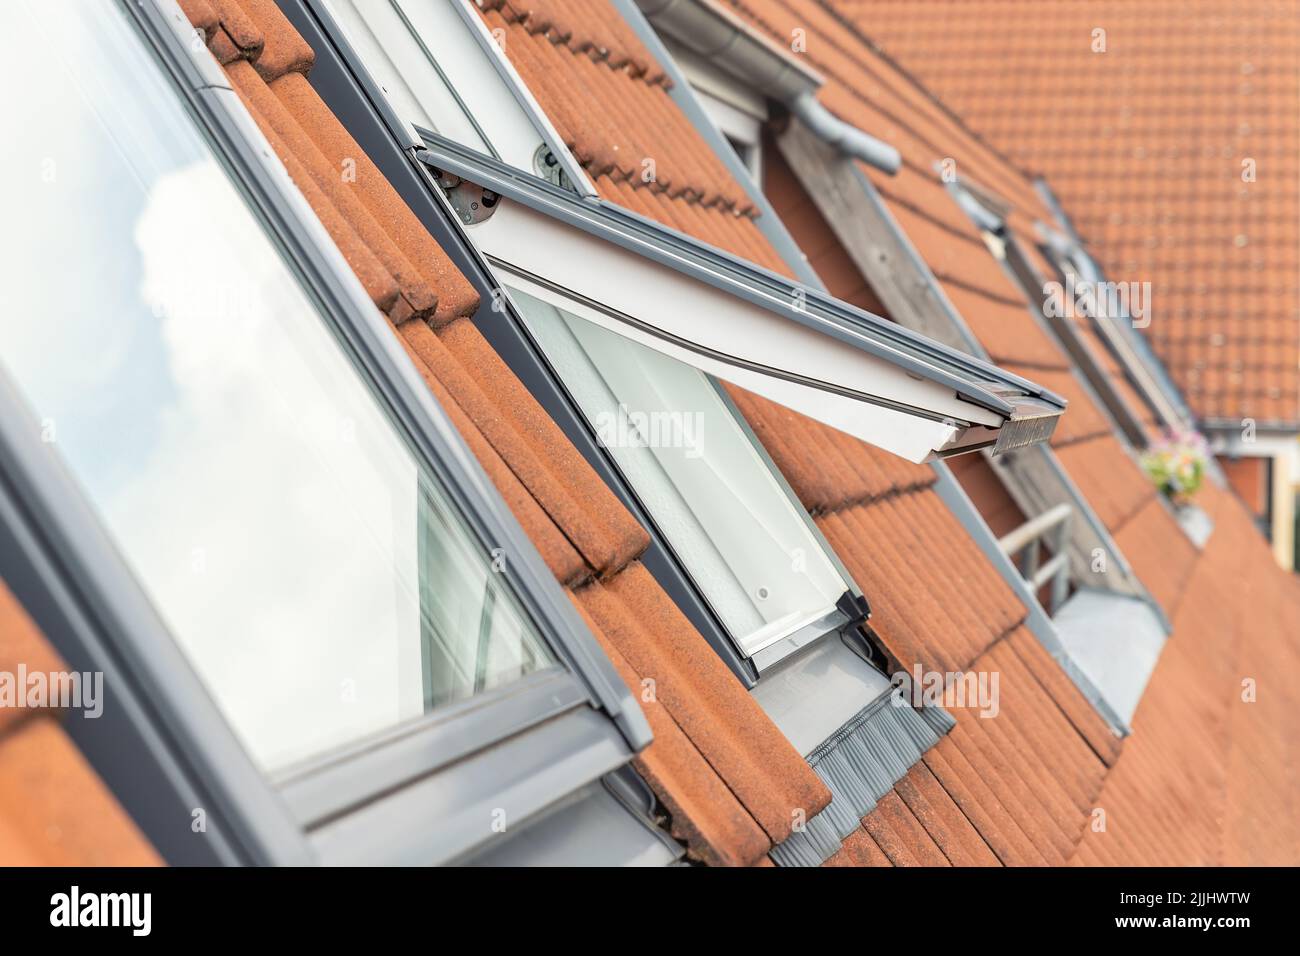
x=844 y=137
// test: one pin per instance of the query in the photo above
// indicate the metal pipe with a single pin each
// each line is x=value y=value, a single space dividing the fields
x=848 y=139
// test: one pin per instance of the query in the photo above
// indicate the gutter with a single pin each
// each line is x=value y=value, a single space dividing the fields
x=732 y=45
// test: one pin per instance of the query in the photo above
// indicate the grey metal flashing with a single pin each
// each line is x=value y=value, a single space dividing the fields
x=860 y=763
x=683 y=94
x=843 y=682
x=1116 y=640
x=598 y=826
x=974 y=380
x=1040 y=625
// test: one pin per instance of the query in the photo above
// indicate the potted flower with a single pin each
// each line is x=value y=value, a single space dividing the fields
x=1176 y=463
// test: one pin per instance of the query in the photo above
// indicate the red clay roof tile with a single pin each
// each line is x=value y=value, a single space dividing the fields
x=859 y=849
x=65 y=814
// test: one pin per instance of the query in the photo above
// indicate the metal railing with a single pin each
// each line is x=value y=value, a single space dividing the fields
x=1027 y=541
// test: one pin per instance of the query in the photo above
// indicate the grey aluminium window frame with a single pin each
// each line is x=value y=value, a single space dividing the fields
x=65 y=570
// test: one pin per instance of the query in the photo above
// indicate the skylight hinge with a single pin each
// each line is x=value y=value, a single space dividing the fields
x=549 y=167
x=471 y=202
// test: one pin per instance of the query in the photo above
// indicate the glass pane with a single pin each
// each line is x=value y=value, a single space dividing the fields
x=315 y=576
x=698 y=474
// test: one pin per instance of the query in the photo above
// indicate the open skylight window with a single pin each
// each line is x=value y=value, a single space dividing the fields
x=442 y=68
x=738 y=322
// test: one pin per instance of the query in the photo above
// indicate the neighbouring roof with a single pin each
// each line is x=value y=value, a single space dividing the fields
x=1145 y=143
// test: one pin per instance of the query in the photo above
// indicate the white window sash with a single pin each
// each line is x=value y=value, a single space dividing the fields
x=816 y=374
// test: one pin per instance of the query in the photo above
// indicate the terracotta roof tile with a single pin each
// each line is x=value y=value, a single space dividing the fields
x=859 y=849
x=943 y=820
x=900 y=835
x=517 y=428
x=705 y=814
x=50 y=795
x=454 y=294
x=1081 y=715
x=21 y=644
x=1109 y=478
